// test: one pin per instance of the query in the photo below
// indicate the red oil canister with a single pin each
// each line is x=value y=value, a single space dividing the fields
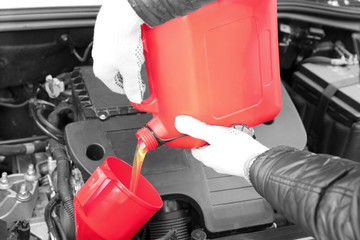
x=219 y=64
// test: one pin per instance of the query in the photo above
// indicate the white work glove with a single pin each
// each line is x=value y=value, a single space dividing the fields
x=118 y=49
x=229 y=151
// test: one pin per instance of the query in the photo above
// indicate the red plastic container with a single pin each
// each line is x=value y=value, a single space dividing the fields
x=106 y=209
x=219 y=64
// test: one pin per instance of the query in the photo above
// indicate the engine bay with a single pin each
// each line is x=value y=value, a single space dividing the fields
x=59 y=123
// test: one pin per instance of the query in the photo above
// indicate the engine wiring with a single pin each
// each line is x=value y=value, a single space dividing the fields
x=45 y=122
x=60 y=228
x=85 y=57
x=13 y=105
x=34 y=105
x=52 y=228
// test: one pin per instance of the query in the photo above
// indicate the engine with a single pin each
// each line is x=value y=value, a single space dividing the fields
x=91 y=123
x=59 y=123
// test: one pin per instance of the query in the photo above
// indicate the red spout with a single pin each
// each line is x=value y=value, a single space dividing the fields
x=146 y=139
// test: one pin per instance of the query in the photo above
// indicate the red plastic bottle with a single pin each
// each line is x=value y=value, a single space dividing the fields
x=219 y=64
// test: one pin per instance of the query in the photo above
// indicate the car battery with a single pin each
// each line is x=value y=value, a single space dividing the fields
x=328 y=100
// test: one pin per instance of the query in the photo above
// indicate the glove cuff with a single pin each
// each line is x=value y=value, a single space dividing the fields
x=247 y=165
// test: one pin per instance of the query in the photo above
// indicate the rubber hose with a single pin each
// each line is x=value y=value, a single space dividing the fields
x=21 y=149
x=169 y=236
x=38 y=123
x=46 y=123
x=58 y=152
x=318 y=59
x=54 y=118
x=24 y=140
x=47 y=215
x=69 y=208
x=60 y=228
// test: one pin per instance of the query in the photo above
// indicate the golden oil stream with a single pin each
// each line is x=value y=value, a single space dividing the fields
x=139 y=156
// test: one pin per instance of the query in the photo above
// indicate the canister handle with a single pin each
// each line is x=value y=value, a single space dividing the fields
x=149 y=105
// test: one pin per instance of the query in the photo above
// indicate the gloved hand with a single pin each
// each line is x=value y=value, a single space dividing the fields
x=229 y=151
x=118 y=49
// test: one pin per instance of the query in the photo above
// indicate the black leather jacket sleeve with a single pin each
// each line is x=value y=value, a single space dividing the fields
x=156 y=12
x=321 y=193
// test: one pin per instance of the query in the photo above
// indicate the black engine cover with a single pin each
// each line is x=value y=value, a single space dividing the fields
x=225 y=202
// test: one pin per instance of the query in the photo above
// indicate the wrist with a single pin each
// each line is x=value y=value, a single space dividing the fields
x=249 y=162
x=247 y=167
